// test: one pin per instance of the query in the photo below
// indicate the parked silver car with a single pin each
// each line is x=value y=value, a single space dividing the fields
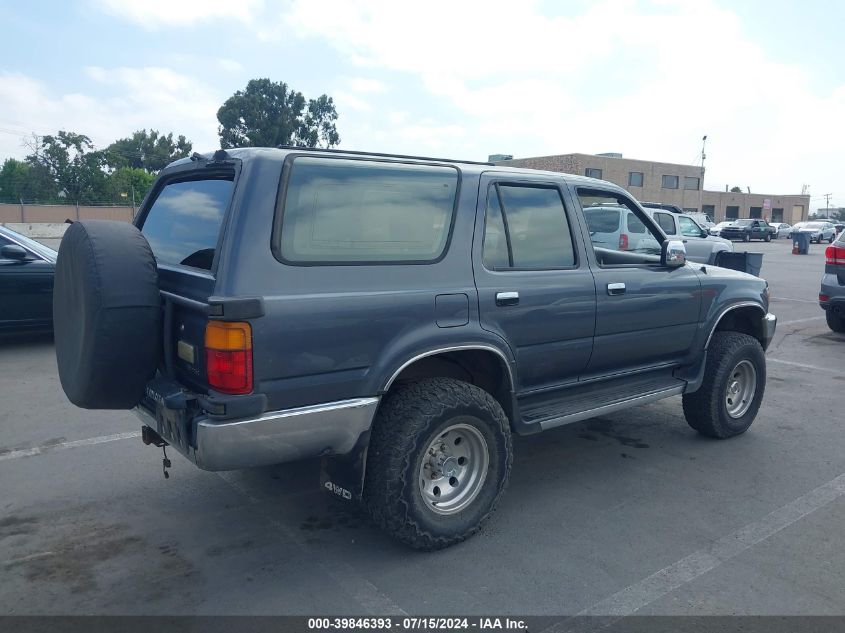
x=782 y=229
x=820 y=231
x=717 y=229
x=701 y=246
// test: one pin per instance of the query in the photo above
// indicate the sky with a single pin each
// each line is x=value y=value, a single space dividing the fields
x=764 y=80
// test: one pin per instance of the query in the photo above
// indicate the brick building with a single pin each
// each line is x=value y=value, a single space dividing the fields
x=672 y=183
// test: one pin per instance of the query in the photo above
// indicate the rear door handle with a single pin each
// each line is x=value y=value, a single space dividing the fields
x=507 y=298
x=616 y=289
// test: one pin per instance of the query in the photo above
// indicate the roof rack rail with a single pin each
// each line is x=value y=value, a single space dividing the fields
x=360 y=153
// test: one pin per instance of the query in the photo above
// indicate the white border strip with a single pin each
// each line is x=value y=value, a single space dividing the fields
x=48 y=448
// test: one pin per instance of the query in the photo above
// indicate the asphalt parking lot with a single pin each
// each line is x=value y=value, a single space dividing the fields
x=629 y=513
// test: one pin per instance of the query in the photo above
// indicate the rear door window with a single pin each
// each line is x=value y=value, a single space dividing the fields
x=183 y=223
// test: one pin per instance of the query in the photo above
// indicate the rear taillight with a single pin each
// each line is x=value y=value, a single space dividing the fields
x=824 y=298
x=228 y=356
x=835 y=255
x=623 y=242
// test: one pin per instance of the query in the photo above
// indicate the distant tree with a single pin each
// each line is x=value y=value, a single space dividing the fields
x=127 y=183
x=149 y=151
x=21 y=181
x=736 y=190
x=269 y=114
x=74 y=168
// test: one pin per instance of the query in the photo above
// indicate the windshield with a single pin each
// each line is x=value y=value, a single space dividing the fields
x=37 y=247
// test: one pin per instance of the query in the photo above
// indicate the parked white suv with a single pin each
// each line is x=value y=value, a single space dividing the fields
x=701 y=246
x=617 y=228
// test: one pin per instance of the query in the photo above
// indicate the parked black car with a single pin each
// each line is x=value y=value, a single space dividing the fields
x=748 y=229
x=400 y=317
x=26 y=283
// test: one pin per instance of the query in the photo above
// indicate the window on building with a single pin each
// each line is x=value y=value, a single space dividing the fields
x=691 y=182
x=756 y=212
x=635 y=179
x=670 y=182
x=731 y=213
x=526 y=228
x=353 y=211
x=666 y=222
x=592 y=172
x=777 y=215
x=709 y=210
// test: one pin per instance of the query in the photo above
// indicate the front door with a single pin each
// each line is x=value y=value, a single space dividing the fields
x=535 y=288
x=646 y=313
x=26 y=291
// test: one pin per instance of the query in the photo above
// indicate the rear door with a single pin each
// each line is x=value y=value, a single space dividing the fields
x=535 y=288
x=183 y=224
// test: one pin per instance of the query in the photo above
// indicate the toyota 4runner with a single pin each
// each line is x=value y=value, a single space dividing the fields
x=399 y=317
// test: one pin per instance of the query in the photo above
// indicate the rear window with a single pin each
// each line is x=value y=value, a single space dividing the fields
x=183 y=224
x=354 y=212
x=602 y=220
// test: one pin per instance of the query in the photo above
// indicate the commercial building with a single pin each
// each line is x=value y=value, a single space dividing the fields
x=672 y=183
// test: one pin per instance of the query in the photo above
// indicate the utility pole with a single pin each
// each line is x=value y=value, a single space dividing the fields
x=827 y=205
x=701 y=182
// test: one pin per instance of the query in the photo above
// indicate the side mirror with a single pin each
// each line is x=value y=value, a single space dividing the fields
x=673 y=253
x=13 y=251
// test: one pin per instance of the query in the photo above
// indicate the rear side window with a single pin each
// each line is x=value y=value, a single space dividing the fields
x=183 y=223
x=635 y=225
x=666 y=222
x=526 y=228
x=602 y=220
x=355 y=212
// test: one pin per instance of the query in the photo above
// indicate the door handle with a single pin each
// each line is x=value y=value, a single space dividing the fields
x=507 y=298
x=616 y=289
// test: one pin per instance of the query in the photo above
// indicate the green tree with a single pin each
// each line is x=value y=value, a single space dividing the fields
x=129 y=183
x=736 y=190
x=74 y=168
x=21 y=181
x=149 y=151
x=269 y=114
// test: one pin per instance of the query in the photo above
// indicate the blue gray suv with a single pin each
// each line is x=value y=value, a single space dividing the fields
x=399 y=317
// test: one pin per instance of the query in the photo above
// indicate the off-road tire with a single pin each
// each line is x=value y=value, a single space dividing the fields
x=409 y=418
x=835 y=322
x=705 y=409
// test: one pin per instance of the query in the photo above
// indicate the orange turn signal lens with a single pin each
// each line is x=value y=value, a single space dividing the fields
x=228 y=335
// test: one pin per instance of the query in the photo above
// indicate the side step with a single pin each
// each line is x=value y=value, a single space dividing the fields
x=582 y=402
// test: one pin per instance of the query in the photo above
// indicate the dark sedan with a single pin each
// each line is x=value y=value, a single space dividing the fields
x=26 y=283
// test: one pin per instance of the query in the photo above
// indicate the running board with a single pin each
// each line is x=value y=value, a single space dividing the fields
x=586 y=414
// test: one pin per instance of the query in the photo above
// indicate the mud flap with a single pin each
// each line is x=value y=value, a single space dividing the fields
x=343 y=475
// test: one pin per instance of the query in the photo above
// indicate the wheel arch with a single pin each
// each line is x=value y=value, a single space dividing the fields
x=482 y=365
x=745 y=317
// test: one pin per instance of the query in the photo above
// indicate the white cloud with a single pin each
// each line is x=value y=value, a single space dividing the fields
x=125 y=100
x=644 y=78
x=230 y=65
x=366 y=85
x=153 y=14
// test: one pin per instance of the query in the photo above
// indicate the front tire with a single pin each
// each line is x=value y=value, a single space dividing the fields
x=835 y=322
x=735 y=381
x=830 y=240
x=768 y=237
x=440 y=457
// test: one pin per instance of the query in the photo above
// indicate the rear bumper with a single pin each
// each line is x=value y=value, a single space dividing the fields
x=332 y=428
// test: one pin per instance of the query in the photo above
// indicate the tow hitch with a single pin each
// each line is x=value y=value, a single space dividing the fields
x=149 y=436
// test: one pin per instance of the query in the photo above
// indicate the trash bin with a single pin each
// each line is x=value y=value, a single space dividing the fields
x=800 y=243
x=745 y=262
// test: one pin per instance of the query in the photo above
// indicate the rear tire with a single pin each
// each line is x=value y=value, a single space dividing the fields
x=746 y=238
x=416 y=448
x=734 y=383
x=835 y=322
x=830 y=241
x=768 y=237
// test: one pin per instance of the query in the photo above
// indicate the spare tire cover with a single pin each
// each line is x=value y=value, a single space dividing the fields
x=106 y=314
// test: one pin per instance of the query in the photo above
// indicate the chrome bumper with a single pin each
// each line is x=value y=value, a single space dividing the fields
x=278 y=436
x=770 y=323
